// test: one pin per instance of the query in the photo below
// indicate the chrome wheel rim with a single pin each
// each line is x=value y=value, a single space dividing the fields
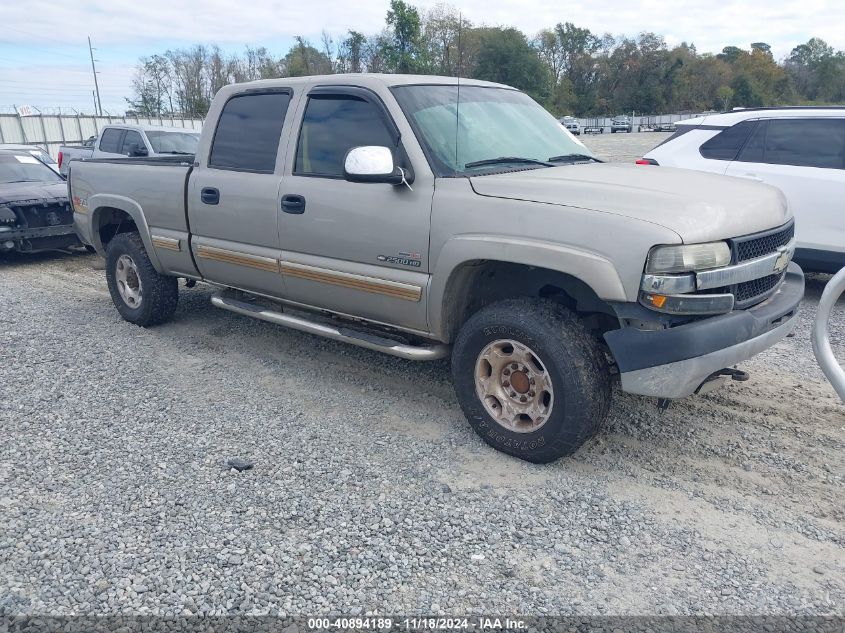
x=128 y=281
x=514 y=386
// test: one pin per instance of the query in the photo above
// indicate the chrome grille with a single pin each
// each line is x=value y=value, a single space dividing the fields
x=749 y=291
x=753 y=246
x=750 y=247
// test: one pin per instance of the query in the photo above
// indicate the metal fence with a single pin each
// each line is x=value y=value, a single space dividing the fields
x=50 y=131
x=603 y=123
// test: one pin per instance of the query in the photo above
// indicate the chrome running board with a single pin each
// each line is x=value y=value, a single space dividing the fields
x=360 y=338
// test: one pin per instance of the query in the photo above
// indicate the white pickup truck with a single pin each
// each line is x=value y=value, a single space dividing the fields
x=128 y=140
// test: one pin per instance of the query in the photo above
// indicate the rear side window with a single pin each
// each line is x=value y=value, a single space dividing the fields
x=798 y=142
x=727 y=143
x=110 y=142
x=248 y=132
x=331 y=127
x=131 y=138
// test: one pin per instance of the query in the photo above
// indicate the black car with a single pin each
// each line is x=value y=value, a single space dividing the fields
x=34 y=211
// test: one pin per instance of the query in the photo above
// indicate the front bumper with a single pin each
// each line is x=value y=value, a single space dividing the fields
x=674 y=362
x=35 y=239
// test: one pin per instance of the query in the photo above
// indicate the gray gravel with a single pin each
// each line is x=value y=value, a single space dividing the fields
x=368 y=490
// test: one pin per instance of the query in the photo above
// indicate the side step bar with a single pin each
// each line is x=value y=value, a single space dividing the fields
x=345 y=334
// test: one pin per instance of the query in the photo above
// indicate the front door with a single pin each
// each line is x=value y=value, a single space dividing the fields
x=232 y=199
x=359 y=249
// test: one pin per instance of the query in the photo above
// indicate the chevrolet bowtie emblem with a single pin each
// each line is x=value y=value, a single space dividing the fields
x=782 y=261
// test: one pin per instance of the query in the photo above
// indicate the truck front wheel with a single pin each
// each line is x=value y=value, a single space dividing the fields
x=139 y=292
x=531 y=379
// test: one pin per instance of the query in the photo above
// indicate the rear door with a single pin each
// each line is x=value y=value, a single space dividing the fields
x=354 y=248
x=804 y=158
x=110 y=143
x=233 y=196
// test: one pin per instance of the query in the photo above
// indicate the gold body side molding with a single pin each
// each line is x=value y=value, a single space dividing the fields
x=167 y=243
x=239 y=259
x=395 y=289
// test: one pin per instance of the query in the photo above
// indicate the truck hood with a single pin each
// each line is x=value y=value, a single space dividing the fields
x=27 y=192
x=698 y=206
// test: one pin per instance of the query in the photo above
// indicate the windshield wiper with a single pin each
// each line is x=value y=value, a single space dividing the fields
x=182 y=153
x=573 y=158
x=504 y=160
x=11 y=181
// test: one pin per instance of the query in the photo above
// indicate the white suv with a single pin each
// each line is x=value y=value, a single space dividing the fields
x=800 y=150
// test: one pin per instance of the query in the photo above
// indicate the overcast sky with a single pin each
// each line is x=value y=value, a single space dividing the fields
x=44 y=55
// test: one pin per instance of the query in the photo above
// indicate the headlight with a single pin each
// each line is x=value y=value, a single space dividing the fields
x=688 y=257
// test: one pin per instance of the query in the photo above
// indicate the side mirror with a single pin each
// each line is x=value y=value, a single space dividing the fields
x=372 y=163
x=137 y=150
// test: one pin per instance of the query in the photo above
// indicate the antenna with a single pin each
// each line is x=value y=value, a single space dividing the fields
x=458 y=102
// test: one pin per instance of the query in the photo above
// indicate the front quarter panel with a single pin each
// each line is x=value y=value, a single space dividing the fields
x=605 y=251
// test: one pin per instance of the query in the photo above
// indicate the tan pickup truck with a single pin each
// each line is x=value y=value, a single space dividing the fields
x=426 y=218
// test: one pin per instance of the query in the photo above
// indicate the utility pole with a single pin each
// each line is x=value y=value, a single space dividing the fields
x=99 y=103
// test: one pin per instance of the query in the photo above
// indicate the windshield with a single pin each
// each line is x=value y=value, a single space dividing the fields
x=25 y=168
x=174 y=142
x=492 y=123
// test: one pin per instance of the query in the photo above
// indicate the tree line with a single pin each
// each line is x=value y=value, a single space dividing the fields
x=569 y=69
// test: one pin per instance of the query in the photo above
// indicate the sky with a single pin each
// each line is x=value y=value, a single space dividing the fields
x=44 y=60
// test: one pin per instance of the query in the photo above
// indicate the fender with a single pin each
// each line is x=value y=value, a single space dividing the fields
x=594 y=270
x=101 y=201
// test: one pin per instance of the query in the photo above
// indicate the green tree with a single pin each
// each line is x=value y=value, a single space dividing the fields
x=817 y=72
x=442 y=35
x=724 y=94
x=744 y=94
x=405 y=53
x=762 y=47
x=303 y=59
x=351 y=53
x=730 y=54
x=505 y=56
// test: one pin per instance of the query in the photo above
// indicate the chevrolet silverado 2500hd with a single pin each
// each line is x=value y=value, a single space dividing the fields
x=420 y=218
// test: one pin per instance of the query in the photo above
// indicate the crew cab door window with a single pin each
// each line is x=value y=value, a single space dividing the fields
x=332 y=125
x=248 y=132
x=110 y=141
x=798 y=142
x=131 y=138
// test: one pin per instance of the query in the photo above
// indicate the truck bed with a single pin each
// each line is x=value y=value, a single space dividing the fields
x=155 y=186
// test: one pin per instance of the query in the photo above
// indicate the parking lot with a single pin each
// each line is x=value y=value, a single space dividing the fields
x=370 y=491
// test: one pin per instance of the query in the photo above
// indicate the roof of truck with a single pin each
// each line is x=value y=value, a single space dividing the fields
x=152 y=128
x=364 y=79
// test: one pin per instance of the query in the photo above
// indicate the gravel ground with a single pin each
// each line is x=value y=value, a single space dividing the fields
x=625 y=148
x=370 y=491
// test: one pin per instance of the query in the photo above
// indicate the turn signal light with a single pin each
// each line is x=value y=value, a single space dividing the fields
x=646 y=161
x=688 y=304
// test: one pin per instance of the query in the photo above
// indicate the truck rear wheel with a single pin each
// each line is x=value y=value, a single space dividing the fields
x=139 y=292
x=530 y=378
